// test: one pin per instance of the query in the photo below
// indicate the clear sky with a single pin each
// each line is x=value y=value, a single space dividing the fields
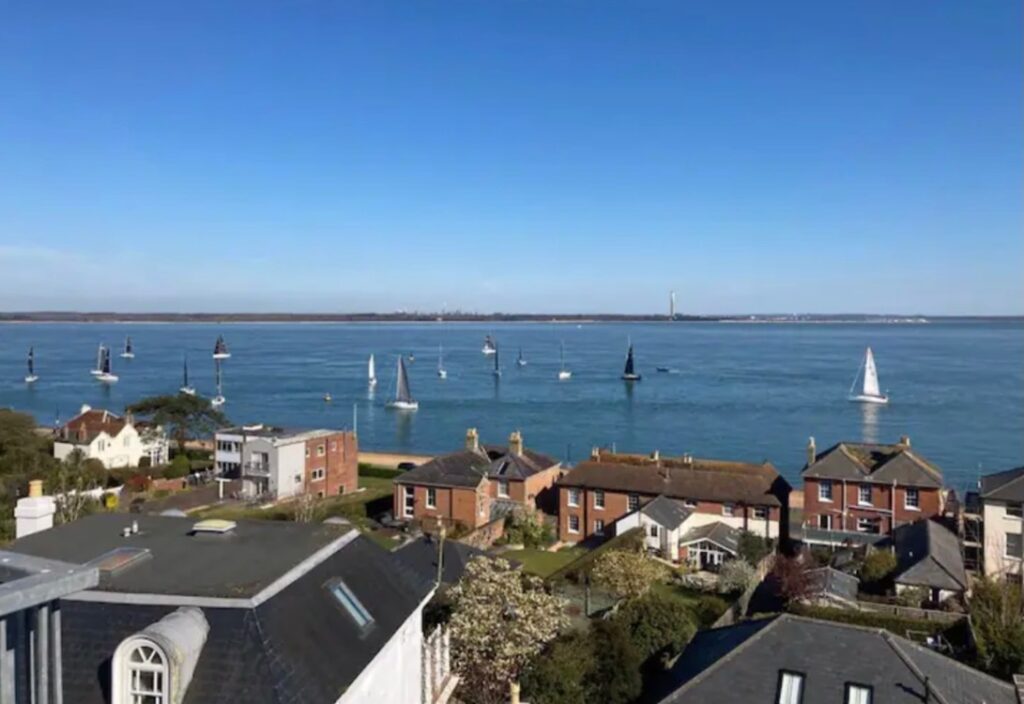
x=573 y=156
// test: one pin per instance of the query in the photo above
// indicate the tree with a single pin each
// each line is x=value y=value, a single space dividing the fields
x=306 y=508
x=72 y=479
x=560 y=673
x=790 y=577
x=24 y=455
x=182 y=416
x=753 y=548
x=615 y=677
x=735 y=576
x=658 y=624
x=628 y=574
x=997 y=614
x=878 y=565
x=500 y=620
x=180 y=467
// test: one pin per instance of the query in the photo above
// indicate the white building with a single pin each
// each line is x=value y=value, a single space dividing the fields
x=678 y=533
x=999 y=503
x=114 y=440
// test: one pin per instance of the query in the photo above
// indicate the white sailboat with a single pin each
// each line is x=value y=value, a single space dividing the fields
x=31 y=377
x=128 y=352
x=520 y=360
x=563 y=373
x=868 y=375
x=403 y=397
x=442 y=373
x=220 y=349
x=186 y=388
x=489 y=347
x=106 y=374
x=219 y=399
x=98 y=369
x=371 y=372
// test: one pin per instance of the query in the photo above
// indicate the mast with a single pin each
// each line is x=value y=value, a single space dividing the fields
x=561 y=347
x=127 y=345
x=99 y=357
x=440 y=357
x=220 y=391
x=497 y=367
x=105 y=365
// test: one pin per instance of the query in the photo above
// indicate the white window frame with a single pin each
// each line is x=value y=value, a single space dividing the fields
x=321 y=450
x=860 y=495
x=598 y=526
x=916 y=493
x=573 y=498
x=431 y=501
x=599 y=498
x=1018 y=509
x=503 y=488
x=828 y=519
x=653 y=532
x=791 y=688
x=728 y=509
x=569 y=521
x=761 y=512
x=632 y=502
x=123 y=690
x=318 y=474
x=866 y=520
x=1015 y=555
x=408 y=507
x=822 y=484
x=858 y=693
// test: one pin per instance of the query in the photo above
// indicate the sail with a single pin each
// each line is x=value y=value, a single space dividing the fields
x=99 y=357
x=371 y=370
x=31 y=361
x=870 y=375
x=402 y=393
x=561 y=349
x=440 y=358
x=185 y=373
x=629 y=363
x=128 y=345
x=105 y=364
x=220 y=390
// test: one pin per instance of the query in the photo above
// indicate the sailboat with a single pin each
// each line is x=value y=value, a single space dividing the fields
x=442 y=373
x=630 y=373
x=186 y=388
x=128 y=353
x=563 y=373
x=520 y=360
x=219 y=399
x=98 y=369
x=106 y=374
x=403 y=398
x=489 y=346
x=497 y=365
x=869 y=391
x=31 y=377
x=220 y=349
x=371 y=372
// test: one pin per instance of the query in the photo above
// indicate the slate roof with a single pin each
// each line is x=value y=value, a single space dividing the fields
x=928 y=555
x=718 y=533
x=666 y=512
x=466 y=468
x=1003 y=486
x=742 y=663
x=239 y=564
x=700 y=479
x=866 y=462
x=832 y=582
x=298 y=647
x=420 y=555
x=507 y=465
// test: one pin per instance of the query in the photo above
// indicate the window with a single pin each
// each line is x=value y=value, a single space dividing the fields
x=340 y=591
x=318 y=474
x=654 y=531
x=574 y=497
x=791 y=688
x=1014 y=510
x=864 y=495
x=503 y=488
x=728 y=509
x=858 y=693
x=334 y=445
x=598 y=526
x=101 y=445
x=825 y=521
x=632 y=502
x=409 y=501
x=912 y=499
x=431 y=497
x=825 y=490
x=599 y=499
x=689 y=503
x=307 y=451
x=867 y=525
x=320 y=450
x=1013 y=545
x=574 y=524
x=298 y=478
x=760 y=512
x=141 y=674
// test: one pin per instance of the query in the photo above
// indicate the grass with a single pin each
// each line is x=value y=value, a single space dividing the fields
x=542 y=562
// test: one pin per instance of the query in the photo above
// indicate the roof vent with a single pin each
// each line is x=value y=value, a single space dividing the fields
x=213 y=526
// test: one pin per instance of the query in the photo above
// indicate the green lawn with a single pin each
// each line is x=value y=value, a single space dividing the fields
x=542 y=562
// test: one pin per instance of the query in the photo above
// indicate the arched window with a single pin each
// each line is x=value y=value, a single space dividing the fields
x=141 y=673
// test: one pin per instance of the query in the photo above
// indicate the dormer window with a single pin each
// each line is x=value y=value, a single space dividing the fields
x=141 y=673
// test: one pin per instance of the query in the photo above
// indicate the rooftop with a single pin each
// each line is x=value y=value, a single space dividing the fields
x=466 y=467
x=929 y=555
x=1003 y=486
x=239 y=563
x=277 y=433
x=89 y=423
x=870 y=462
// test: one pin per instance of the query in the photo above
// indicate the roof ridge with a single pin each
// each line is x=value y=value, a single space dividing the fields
x=849 y=454
x=934 y=471
x=953 y=661
x=889 y=638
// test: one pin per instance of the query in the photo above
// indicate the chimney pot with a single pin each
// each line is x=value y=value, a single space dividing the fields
x=515 y=443
x=595 y=453
x=905 y=440
x=35 y=488
x=472 y=440
x=812 y=451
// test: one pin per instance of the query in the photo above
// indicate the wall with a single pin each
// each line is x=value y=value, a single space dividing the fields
x=124 y=450
x=452 y=505
x=996 y=524
x=846 y=496
x=287 y=464
x=340 y=462
x=394 y=676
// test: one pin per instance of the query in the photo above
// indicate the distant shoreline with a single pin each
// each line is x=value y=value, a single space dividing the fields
x=222 y=318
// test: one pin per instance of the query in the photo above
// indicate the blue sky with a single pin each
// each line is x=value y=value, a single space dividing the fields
x=517 y=156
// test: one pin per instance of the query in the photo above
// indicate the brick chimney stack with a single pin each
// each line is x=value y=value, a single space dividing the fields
x=515 y=443
x=812 y=451
x=472 y=440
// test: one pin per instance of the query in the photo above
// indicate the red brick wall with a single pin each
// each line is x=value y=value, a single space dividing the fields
x=930 y=501
x=452 y=505
x=339 y=460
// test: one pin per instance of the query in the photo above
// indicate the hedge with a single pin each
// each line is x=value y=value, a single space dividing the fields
x=368 y=470
x=582 y=564
x=893 y=624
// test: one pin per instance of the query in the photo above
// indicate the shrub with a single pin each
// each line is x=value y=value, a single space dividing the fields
x=912 y=596
x=137 y=483
x=997 y=612
x=893 y=624
x=110 y=501
x=708 y=609
x=559 y=675
x=615 y=677
x=627 y=574
x=736 y=576
x=659 y=625
x=178 y=468
x=878 y=565
x=368 y=470
x=527 y=528
x=753 y=548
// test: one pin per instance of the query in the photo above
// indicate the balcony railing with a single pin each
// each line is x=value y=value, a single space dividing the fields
x=256 y=469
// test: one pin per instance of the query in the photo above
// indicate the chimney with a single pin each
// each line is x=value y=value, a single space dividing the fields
x=687 y=459
x=812 y=451
x=595 y=454
x=515 y=443
x=129 y=418
x=905 y=440
x=84 y=409
x=472 y=440
x=34 y=513
x=656 y=457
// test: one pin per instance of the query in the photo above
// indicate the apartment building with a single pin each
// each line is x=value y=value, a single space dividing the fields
x=284 y=462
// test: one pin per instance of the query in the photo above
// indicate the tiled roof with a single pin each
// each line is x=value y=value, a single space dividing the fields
x=86 y=426
x=696 y=479
x=928 y=555
x=1004 y=486
x=865 y=462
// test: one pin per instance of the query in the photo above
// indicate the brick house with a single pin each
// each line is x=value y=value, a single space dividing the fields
x=867 y=489
x=474 y=485
x=609 y=486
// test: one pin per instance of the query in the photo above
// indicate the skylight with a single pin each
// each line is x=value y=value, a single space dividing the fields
x=352 y=605
x=118 y=559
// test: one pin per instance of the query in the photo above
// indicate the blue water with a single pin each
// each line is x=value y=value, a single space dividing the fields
x=742 y=391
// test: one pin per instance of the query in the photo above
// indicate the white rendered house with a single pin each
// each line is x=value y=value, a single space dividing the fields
x=116 y=441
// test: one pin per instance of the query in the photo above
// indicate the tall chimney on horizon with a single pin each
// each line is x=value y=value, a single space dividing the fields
x=472 y=440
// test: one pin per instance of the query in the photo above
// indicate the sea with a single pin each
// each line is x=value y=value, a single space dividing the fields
x=742 y=391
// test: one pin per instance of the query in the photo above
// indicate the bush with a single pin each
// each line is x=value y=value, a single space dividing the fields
x=615 y=677
x=753 y=548
x=659 y=625
x=137 y=483
x=178 y=468
x=736 y=576
x=708 y=609
x=145 y=462
x=630 y=541
x=878 y=565
x=368 y=470
x=912 y=596
x=627 y=574
x=559 y=675
x=893 y=624
x=997 y=612
x=527 y=528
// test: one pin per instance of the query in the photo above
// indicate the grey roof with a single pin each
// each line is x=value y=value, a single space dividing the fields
x=928 y=555
x=27 y=581
x=298 y=647
x=458 y=469
x=420 y=555
x=238 y=564
x=867 y=462
x=718 y=533
x=666 y=512
x=507 y=465
x=840 y=537
x=742 y=664
x=1004 y=486
x=832 y=582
